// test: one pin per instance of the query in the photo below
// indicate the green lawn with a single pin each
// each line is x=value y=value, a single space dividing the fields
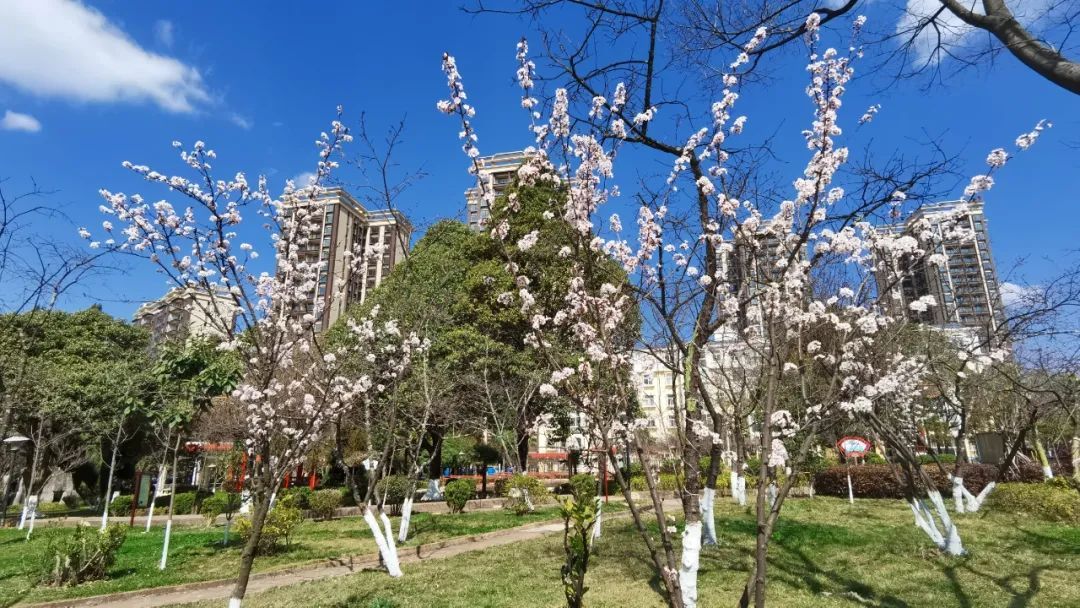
x=196 y=553
x=825 y=553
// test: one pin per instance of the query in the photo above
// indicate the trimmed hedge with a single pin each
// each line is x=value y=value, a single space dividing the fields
x=878 y=480
x=458 y=493
x=1055 y=500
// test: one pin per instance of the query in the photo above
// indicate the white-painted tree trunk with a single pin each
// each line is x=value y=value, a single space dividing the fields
x=392 y=566
x=770 y=494
x=157 y=494
x=948 y=537
x=958 y=493
x=33 y=515
x=734 y=479
x=406 y=518
x=691 y=559
x=388 y=527
x=1076 y=457
x=742 y=490
x=850 y=490
x=599 y=518
x=165 y=547
x=974 y=503
x=708 y=499
x=22 y=518
x=234 y=602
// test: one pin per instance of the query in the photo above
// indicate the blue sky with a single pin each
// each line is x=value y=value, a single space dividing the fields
x=258 y=82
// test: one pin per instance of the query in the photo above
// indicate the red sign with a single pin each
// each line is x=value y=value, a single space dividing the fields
x=853 y=447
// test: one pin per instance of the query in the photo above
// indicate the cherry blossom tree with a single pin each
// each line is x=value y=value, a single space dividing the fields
x=292 y=386
x=821 y=350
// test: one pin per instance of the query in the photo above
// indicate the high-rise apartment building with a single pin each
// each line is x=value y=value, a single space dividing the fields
x=965 y=287
x=349 y=229
x=187 y=312
x=495 y=174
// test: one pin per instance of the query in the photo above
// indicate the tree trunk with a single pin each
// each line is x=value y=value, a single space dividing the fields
x=108 y=484
x=172 y=503
x=435 y=466
x=708 y=496
x=1040 y=451
x=247 y=556
x=523 y=448
x=1075 y=445
x=35 y=462
x=163 y=471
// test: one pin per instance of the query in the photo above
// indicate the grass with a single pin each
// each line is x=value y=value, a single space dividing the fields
x=196 y=553
x=825 y=554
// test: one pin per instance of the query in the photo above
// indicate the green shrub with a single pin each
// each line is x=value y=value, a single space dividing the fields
x=185 y=503
x=522 y=493
x=458 y=493
x=879 y=481
x=71 y=500
x=121 y=505
x=667 y=482
x=324 y=503
x=299 y=497
x=221 y=503
x=82 y=555
x=53 y=509
x=583 y=487
x=391 y=491
x=277 y=529
x=1051 y=501
x=347 y=498
x=925 y=459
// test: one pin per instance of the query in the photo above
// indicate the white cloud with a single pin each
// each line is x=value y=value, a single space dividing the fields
x=62 y=48
x=1013 y=294
x=163 y=33
x=303 y=179
x=14 y=121
x=241 y=121
x=951 y=32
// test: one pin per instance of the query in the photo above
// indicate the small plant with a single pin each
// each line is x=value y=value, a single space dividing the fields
x=579 y=517
x=391 y=492
x=324 y=503
x=82 y=555
x=583 y=487
x=280 y=523
x=523 y=493
x=71 y=500
x=120 y=506
x=458 y=493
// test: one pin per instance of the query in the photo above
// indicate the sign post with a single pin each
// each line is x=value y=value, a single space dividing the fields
x=852 y=447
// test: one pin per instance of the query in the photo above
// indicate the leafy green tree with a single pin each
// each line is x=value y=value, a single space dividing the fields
x=82 y=383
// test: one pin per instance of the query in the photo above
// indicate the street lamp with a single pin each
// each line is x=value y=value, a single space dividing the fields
x=14 y=443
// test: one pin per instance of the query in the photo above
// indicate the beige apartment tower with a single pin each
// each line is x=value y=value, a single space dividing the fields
x=966 y=287
x=495 y=175
x=347 y=226
x=187 y=312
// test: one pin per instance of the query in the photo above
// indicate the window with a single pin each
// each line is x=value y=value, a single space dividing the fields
x=649 y=401
x=647 y=380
